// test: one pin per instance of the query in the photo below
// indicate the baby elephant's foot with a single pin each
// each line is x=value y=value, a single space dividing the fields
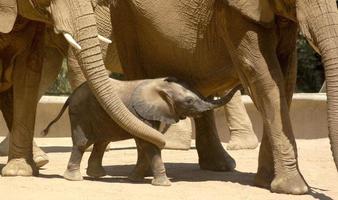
x=161 y=181
x=96 y=172
x=73 y=175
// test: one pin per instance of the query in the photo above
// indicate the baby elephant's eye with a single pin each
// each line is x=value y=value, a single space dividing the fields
x=189 y=100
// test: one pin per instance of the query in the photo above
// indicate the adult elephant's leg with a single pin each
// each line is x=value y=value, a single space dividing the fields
x=242 y=135
x=27 y=75
x=26 y=81
x=259 y=68
x=52 y=63
x=286 y=53
x=211 y=153
x=6 y=106
x=95 y=168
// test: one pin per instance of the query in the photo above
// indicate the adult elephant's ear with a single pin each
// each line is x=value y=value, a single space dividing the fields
x=152 y=102
x=8 y=13
x=258 y=10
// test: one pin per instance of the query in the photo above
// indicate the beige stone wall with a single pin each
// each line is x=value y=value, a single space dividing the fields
x=308 y=115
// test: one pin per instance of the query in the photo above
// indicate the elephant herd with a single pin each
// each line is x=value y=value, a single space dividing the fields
x=212 y=45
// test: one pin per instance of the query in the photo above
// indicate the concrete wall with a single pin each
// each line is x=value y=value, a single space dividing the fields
x=308 y=115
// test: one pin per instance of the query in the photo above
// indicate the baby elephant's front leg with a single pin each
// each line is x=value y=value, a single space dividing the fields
x=153 y=155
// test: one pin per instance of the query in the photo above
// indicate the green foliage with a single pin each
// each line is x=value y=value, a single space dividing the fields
x=61 y=85
x=310 y=72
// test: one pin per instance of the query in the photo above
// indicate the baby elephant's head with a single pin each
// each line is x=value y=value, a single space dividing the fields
x=168 y=101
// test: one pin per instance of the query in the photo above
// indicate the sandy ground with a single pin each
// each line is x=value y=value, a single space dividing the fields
x=188 y=181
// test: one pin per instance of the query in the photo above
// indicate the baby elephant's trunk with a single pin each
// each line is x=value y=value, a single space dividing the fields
x=215 y=103
x=46 y=130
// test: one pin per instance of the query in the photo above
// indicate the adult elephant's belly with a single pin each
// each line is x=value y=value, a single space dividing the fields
x=204 y=64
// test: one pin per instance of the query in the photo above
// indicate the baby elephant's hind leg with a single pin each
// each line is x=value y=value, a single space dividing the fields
x=73 y=169
x=80 y=143
x=153 y=155
x=142 y=167
x=95 y=168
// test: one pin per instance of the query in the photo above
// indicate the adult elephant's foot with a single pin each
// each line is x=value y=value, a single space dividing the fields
x=264 y=178
x=139 y=172
x=220 y=161
x=96 y=171
x=161 y=181
x=17 y=167
x=39 y=156
x=135 y=177
x=212 y=155
x=242 y=140
x=289 y=183
x=73 y=175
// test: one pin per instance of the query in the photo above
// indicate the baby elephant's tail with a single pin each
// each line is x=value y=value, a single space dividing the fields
x=46 y=130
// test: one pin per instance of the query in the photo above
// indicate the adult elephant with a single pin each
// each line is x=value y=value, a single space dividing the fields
x=22 y=44
x=214 y=44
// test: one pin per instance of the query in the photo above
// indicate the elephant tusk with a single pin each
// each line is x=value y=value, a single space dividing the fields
x=104 y=39
x=71 y=41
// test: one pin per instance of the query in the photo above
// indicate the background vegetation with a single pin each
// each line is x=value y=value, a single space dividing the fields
x=310 y=72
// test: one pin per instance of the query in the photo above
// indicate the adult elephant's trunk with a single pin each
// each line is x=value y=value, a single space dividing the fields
x=90 y=60
x=319 y=23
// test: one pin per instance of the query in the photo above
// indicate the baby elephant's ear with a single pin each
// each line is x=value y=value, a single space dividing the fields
x=152 y=103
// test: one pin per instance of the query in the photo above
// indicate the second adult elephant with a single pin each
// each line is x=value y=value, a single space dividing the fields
x=213 y=45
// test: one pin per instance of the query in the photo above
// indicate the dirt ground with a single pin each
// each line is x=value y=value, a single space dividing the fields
x=188 y=181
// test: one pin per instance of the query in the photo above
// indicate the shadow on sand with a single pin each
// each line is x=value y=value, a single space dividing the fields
x=65 y=149
x=181 y=172
x=177 y=172
x=190 y=172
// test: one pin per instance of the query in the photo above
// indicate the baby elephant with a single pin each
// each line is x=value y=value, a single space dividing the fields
x=157 y=102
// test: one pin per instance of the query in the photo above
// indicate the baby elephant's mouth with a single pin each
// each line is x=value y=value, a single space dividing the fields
x=190 y=114
x=182 y=117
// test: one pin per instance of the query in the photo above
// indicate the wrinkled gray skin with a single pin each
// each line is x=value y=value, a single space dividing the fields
x=158 y=102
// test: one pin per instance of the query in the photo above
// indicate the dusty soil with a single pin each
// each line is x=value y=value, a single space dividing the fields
x=188 y=181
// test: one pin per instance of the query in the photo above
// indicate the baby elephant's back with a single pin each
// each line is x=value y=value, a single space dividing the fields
x=86 y=112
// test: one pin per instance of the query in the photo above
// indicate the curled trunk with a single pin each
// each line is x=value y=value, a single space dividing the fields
x=90 y=60
x=319 y=23
x=213 y=103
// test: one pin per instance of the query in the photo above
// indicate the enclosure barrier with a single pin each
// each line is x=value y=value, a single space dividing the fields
x=308 y=115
